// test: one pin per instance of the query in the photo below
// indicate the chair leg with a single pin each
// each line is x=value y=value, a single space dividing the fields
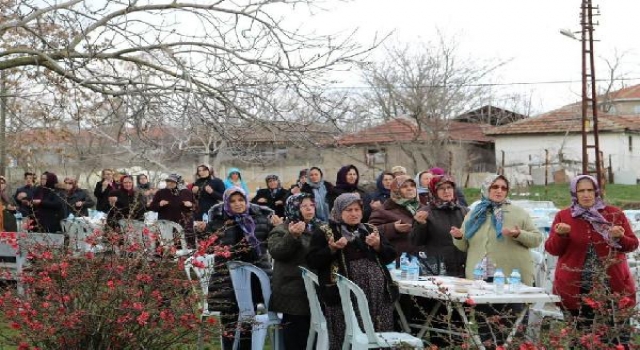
x=323 y=341
x=311 y=338
x=258 y=336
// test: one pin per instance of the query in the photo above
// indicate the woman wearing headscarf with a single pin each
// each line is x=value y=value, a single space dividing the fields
x=398 y=214
x=76 y=200
x=207 y=190
x=174 y=203
x=273 y=196
x=47 y=204
x=126 y=203
x=503 y=233
x=591 y=240
x=356 y=250
x=103 y=190
x=319 y=188
x=234 y=179
x=433 y=237
x=422 y=184
x=347 y=182
x=382 y=193
x=288 y=245
x=144 y=187
x=240 y=230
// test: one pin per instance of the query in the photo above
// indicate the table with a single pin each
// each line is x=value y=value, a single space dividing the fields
x=453 y=293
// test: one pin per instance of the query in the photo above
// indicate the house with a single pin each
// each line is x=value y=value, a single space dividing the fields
x=554 y=138
x=460 y=147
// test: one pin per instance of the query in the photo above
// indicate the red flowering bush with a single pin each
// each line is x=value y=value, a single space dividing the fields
x=122 y=297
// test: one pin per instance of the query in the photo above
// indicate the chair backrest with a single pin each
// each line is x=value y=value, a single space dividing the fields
x=132 y=231
x=32 y=240
x=310 y=282
x=78 y=231
x=241 y=273
x=353 y=330
x=168 y=231
x=540 y=269
x=203 y=267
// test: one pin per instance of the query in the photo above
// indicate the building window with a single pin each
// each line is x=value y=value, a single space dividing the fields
x=376 y=156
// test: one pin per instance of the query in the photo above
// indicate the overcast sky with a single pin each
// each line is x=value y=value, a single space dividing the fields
x=524 y=33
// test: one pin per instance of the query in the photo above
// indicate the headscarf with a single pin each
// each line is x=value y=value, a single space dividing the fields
x=436 y=202
x=206 y=167
x=591 y=215
x=228 y=183
x=411 y=204
x=421 y=189
x=292 y=209
x=437 y=171
x=482 y=210
x=52 y=180
x=341 y=179
x=383 y=192
x=339 y=205
x=320 y=194
x=74 y=184
x=305 y=173
x=244 y=220
x=275 y=190
x=130 y=192
x=140 y=186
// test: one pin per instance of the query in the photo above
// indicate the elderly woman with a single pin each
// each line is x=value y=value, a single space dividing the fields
x=347 y=182
x=273 y=196
x=126 y=203
x=240 y=229
x=396 y=217
x=288 y=245
x=357 y=251
x=319 y=188
x=503 y=233
x=174 y=203
x=591 y=240
x=76 y=200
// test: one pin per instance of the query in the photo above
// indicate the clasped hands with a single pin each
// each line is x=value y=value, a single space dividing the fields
x=372 y=240
x=564 y=229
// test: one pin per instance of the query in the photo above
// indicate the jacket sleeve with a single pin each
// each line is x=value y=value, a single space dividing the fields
x=88 y=201
x=628 y=242
x=529 y=236
x=320 y=255
x=556 y=244
x=387 y=229
x=218 y=189
x=462 y=243
x=97 y=192
x=155 y=203
x=282 y=245
x=387 y=251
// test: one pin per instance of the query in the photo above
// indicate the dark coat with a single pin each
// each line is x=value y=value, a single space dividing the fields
x=322 y=259
x=175 y=211
x=70 y=199
x=221 y=296
x=25 y=207
x=435 y=239
x=102 y=197
x=287 y=288
x=50 y=210
x=205 y=199
x=280 y=195
x=385 y=219
x=571 y=251
x=130 y=206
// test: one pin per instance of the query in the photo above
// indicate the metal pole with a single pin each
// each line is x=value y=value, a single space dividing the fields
x=3 y=122
x=585 y=121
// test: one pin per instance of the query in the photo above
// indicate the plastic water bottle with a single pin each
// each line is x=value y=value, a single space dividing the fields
x=478 y=272
x=413 y=271
x=205 y=218
x=71 y=217
x=404 y=266
x=515 y=281
x=18 y=216
x=498 y=281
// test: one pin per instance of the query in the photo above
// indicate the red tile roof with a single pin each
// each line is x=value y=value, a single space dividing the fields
x=566 y=119
x=628 y=93
x=406 y=130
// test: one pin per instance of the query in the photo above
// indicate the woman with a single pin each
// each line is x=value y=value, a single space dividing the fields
x=357 y=251
x=174 y=204
x=76 y=200
x=234 y=179
x=144 y=186
x=240 y=228
x=288 y=245
x=103 y=189
x=382 y=193
x=8 y=209
x=273 y=196
x=591 y=240
x=347 y=182
x=319 y=188
x=207 y=190
x=503 y=233
x=126 y=203
x=398 y=214
x=433 y=238
x=47 y=205
x=423 y=179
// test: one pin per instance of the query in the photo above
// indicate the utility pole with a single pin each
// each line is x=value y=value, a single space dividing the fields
x=3 y=122
x=589 y=97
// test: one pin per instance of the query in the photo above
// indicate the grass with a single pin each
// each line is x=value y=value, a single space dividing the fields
x=623 y=196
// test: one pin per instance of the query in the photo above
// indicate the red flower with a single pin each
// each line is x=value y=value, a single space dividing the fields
x=469 y=301
x=626 y=302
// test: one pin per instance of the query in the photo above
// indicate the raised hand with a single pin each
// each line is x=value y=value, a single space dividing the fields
x=455 y=232
x=562 y=229
x=373 y=241
x=421 y=217
x=400 y=227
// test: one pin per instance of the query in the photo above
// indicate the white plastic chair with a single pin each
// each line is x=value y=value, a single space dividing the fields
x=203 y=271
x=241 y=279
x=544 y=279
x=168 y=231
x=318 y=327
x=635 y=275
x=358 y=339
x=78 y=230
x=27 y=242
x=132 y=231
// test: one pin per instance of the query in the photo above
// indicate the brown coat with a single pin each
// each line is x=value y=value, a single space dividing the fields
x=385 y=218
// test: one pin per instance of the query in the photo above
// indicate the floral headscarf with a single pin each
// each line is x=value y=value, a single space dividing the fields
x=591 y=215
x=412 y=204
x=482 y=210
x=434 y=184
x=244 y=220
x=339 y=205
x=292 y=208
